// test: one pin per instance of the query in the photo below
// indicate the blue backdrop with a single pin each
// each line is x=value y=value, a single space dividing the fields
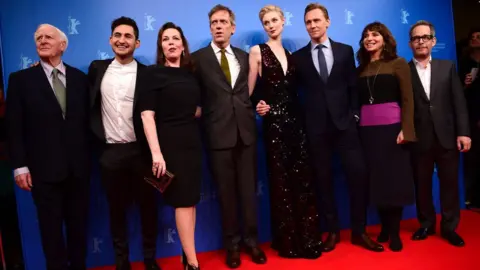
x=87 y=24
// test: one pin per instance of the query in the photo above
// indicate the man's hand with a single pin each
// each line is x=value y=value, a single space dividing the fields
x=262 y=108
x=464 y=143
x=24 y=181
x=468 y=79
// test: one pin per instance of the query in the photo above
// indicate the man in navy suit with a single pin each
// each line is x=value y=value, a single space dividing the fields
x=47 y=136
x=326 y=71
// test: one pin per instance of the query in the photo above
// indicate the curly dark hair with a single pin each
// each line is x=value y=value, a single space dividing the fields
x=390 y=45
x=186 y=58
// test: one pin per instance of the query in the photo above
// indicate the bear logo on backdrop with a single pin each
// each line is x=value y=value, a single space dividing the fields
x=348 y=16
x=148 y=21
x=169 y=233
x=404 y=16
x=103 y=55
x=25 y=62
x=288 y=18
x=96 y=245
x=72 y=26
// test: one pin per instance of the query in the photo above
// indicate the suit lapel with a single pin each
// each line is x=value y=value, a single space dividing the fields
x=307 y=54
x=140 y=66
x=47 y=87
x=417 y=82
x=241 y=62
x=101 y=69
x=435 y=71
x=336 y=55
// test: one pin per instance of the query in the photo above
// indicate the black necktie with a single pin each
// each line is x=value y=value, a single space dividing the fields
x=322 y=63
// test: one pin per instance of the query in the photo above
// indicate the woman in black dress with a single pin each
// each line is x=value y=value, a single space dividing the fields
x=169 y=98
x=294 y=216
x=386 y=126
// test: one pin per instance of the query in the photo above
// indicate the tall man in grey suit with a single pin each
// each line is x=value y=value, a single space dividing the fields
x=229 y=123
x=441 y=123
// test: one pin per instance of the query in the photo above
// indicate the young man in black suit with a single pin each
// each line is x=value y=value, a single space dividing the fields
x=326 y=72
x=47 y=135
x=120 y=139
x=229 y=124
x=441 y=123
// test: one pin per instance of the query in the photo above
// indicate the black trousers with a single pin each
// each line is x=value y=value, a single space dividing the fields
x=472 y=169
x=347 y=144
x=235 y=172
x=447 y=167
x=390 y=218
x=9 y=227
x=122 y=170
x=58 y=204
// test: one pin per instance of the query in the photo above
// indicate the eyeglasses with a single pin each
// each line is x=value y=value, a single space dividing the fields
x=417 y=39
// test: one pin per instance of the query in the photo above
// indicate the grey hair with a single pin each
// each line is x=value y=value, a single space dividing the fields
x=425 y=23
x=62 y=35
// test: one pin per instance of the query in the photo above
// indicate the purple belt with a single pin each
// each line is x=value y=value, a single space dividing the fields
x=380 y=114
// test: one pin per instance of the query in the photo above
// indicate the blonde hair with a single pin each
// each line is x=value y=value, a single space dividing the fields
x=270 y=8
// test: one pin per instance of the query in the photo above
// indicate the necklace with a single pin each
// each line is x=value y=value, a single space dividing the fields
x=371 y=99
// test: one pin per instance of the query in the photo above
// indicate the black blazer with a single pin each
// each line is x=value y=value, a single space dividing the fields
x=337 y=98
x=226 y=112
x=96 y=71
x=53 y=148
x=445 y=114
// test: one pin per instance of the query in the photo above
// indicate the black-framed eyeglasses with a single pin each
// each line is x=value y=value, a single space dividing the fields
x=424 y=38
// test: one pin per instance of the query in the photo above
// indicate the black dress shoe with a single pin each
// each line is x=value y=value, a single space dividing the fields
x=422 y=233
x=396 y=244
x=330 y=242
x=151 y=265
x=258 y=256
x=453 y=238
x=233 y=258
x=366 y=242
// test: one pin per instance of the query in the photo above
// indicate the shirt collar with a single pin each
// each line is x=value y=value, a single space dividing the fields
x=48 y=68
x=129 y=65
x=418 y=63
x=216 y=49
x=326 y=43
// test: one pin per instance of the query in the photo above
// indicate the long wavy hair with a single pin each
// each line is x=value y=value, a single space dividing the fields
x=389 y=51
x=185 y=58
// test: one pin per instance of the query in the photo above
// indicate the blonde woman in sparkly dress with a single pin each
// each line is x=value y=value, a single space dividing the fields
x=294 y=216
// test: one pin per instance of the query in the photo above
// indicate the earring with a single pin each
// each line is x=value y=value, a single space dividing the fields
x=183 y=53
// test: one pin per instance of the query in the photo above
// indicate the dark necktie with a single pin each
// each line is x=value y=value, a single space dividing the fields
x=322 y=63
x=60 y=90
x=224 y=66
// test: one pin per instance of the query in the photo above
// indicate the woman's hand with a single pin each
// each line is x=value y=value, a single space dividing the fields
x=262 y=108
x=400 y=138
x=158 y=165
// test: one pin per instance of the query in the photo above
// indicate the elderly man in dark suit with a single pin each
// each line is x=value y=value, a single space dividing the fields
x=47 y=122
x=441 y=123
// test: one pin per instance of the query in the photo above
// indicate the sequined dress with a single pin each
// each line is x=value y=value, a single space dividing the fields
x=294 y=215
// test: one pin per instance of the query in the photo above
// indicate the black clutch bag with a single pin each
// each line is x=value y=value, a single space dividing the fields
x=161 y=183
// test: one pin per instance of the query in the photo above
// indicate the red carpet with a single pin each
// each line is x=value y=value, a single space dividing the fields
x=433 y=253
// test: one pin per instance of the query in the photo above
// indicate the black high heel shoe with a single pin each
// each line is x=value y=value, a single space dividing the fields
x=186 y=265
